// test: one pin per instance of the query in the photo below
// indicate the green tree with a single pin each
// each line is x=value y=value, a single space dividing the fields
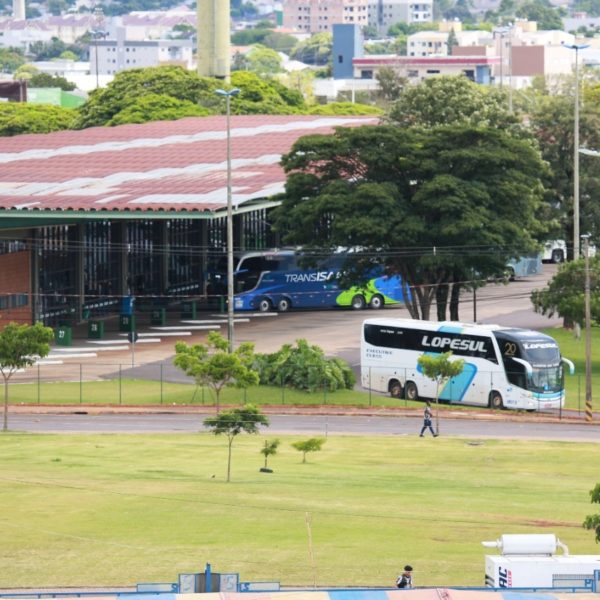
x=304 y=367
x=440 y=368
x=316 y=50
x=212 y=365
x=129 y=86
x=11 y=59
x=263 y=60
x=552 y=124
x=20 y=347
x=390 y=84
x=344 y=108
x=541 y=11
x=68 y=55
x=269 y=449
x=260 y=96
x=452 y=101
x=306 y=446
x=233 y=422
x=157 y=107
x=282 y=42
x=409 y=197
x=18 y=117
x=593 y=521
x=45 y=80
x=26 y=72
x=564 y=295
x=452 y=41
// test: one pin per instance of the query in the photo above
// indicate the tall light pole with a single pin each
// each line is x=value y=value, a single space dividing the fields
x=228 y=94
x=588 y=331
x=577 y=48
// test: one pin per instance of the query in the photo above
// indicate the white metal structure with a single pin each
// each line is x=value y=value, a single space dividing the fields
x=530 y=561
x=504 y=367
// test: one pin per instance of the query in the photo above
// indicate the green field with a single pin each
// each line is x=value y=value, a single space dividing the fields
x=121 y=509
x=574 y=350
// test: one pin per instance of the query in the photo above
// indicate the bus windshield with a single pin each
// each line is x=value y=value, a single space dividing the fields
x=547 y=379
x=541 y=353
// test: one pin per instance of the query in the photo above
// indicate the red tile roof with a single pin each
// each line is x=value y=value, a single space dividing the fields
x=161 y=166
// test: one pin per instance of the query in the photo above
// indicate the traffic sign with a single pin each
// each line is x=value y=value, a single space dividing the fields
x=133 y=336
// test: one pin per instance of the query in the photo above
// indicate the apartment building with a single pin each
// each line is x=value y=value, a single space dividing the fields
x=385 y=13
x=317 y=16
x=108 y=57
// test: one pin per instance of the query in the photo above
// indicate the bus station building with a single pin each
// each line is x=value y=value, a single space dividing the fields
x=91 y=218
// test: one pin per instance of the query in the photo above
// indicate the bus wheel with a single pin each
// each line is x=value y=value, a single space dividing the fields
x=557 y=256
x=264 y=305
x=358 y=302
x=284 y=305
x=410 y=391
x=496 y=401
x=376 y=302
x=395 y=389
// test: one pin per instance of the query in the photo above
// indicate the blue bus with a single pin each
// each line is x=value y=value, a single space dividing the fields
x=265 y=281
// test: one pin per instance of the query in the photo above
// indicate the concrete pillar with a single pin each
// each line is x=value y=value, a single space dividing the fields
x=80 y=271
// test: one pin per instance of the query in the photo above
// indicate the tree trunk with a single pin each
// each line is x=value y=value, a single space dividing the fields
x=455 y=300
x=441 y=298
x=5 y=425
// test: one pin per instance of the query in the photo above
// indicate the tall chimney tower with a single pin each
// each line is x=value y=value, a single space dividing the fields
x=19 y=9
x=214 y=17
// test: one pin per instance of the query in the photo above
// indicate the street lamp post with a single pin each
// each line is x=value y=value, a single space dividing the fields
x=577 y=48
x=228 y=94
x=588 y=331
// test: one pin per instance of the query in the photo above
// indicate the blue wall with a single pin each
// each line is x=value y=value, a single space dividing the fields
x=347 y=44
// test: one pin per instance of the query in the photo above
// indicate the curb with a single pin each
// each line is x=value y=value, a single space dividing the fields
x=318 y=410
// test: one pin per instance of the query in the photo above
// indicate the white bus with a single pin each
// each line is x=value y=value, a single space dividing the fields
x=504 y=367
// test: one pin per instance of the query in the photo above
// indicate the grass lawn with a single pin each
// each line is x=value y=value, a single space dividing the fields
x=121 y=509
x=574 y=349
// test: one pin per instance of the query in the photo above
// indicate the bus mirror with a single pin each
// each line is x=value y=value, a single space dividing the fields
x=570 y=365
x=527 y=366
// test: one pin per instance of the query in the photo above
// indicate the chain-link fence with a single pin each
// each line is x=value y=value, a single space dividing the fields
x=162 y=383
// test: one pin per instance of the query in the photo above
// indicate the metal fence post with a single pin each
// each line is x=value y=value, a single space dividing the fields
x=161 y=383
x=80 y=383
x=38 y=384
x=120 y=390
x=370 y=388
x=282 y=392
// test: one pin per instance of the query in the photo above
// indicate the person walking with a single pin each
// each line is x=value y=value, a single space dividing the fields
x=427 y=414
x=404 y=581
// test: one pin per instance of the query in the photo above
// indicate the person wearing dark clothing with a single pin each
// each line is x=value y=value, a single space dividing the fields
x=405 y=580
x=427 y=421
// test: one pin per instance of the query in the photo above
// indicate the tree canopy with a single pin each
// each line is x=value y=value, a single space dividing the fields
x=429 y=204
x=593 y=521
x=21 y=346
x=18 y=117
x=564 y=295
x=552 y=124
x=212 y=365
x=171 y=92
x=246 y=419
x=451 y=101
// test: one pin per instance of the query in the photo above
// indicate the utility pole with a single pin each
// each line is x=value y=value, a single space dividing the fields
x=588 y=331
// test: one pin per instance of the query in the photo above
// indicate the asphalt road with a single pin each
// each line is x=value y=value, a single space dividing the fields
x=322 y=425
